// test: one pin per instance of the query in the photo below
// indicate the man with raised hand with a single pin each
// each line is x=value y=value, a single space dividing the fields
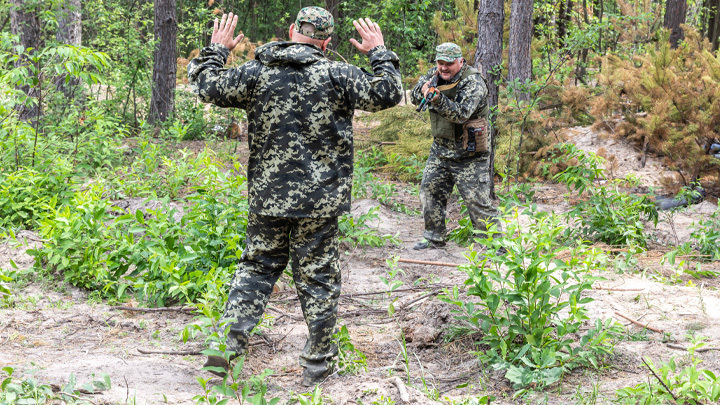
x=300 y=107
x=461 y=144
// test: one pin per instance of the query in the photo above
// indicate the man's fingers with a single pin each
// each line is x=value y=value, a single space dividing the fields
x=238 y=39
x=222 y=22
x=360 y=29
x=371 y=26
x=215 y=26
x=364 y=25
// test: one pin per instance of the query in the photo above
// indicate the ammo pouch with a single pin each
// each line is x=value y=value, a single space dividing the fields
x=476 y=137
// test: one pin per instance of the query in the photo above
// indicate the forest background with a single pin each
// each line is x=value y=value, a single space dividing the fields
x=95 y=109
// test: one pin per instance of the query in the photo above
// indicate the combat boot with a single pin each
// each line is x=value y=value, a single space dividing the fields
x=428 y=244
x=313 y=376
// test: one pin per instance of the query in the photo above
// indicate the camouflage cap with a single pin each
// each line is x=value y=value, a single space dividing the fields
x=448 y=52
x=320 y=18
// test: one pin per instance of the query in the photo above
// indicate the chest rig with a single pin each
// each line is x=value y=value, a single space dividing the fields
x=442 y=128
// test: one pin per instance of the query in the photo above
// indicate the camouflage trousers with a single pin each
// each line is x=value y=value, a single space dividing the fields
x=312 y=245
x=449 y=166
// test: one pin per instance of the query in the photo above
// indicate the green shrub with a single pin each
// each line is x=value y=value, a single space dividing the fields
x=608 y=215
x=671 y=383
x=27 y=195
x=615 y=217
x=150 y=253
x=531 y=303
x=355 y=231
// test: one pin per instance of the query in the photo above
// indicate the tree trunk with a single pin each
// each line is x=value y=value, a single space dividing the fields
x=165 y=68
x=675 y=11
x=333 y=6
x=712 y=30
x=563 y=20
x=519 y=62
x=488 y=60
x=69 y=18
x=25 y=23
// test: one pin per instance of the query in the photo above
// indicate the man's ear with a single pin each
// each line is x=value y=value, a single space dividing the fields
x=292 y=29
x=325 y=43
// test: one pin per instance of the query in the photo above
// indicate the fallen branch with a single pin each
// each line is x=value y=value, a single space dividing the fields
x=172 y=353
x=618 y=289
x=638 y=323
x=661 y=381
x=353 y=295
x=162 y=309
x=396 y=381
x=282 y=313
x=409 y=304
x=79 y=398
x=700 y=350
x=427 y=262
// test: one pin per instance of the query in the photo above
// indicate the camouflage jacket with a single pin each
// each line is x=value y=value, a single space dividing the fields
x=300 y=107
x=470 y=97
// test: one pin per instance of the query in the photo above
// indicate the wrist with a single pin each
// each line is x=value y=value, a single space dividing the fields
x=376 y=48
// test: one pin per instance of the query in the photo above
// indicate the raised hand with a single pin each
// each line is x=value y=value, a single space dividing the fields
x=370 y=34
x=224 y=31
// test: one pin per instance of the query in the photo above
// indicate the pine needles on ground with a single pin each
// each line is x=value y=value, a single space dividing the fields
x=409 y=130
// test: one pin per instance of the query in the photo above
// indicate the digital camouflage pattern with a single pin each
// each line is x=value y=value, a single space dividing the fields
x=313 y=247
x=320 y=18
x=449 y=164
x=446 y=167
x=300 y=108
x=448 y=52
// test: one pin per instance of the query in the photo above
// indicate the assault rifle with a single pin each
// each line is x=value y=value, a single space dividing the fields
x=432 y=92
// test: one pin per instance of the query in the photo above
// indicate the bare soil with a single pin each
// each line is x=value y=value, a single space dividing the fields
x=58 y=330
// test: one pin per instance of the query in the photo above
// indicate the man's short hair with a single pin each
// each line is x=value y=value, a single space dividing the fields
x=321 y=20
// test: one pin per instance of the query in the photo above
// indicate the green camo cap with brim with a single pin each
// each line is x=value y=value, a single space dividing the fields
x=320 y=18
x=447 y=52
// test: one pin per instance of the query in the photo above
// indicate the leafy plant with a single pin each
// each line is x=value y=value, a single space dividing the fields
x=581 y=169
x=608 y=215
x=671 y=383
x=391 y=282
x=531 y=304
x=355 y=231
x=350 y=360
x=314 y=398
x=253 y=390
x=615 y=217
x=30 y=391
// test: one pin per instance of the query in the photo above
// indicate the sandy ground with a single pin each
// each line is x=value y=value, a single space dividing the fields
x=58 y=331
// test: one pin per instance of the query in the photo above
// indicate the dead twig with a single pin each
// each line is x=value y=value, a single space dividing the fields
x=79 y=398
x=427 y=262
x=162 y=309
x=661 y=381
x=396 y=381
x=638 y=323
x=352 y=295
x=409 y=304
x=284 y=314
x=700 y=350
x=172 y=353
x=618 y=289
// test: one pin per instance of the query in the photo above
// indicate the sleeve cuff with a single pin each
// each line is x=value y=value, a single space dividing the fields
x=217 y=48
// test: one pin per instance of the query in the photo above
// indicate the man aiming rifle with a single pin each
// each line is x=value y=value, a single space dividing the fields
x=455 y=93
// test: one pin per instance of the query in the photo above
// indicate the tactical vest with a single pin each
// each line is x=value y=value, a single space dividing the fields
x=442 y=128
